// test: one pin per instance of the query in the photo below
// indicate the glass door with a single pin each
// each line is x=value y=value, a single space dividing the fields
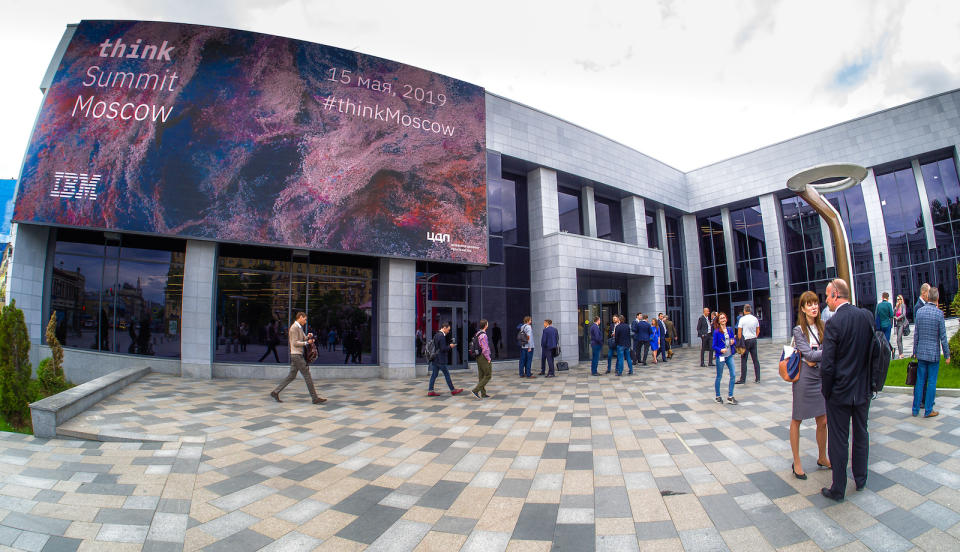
x=455 y=313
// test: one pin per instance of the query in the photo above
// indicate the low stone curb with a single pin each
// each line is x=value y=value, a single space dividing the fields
x=52 y=411
x=909 y=391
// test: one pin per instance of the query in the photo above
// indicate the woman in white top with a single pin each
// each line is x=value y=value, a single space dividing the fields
x=807 y=399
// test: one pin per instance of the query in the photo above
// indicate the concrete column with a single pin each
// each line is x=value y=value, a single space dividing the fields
x=924 y=205
x=664 y=247
x=588 y=210
x=728 y=244
x=25 y=279
x=198 y=312
x=776 y=261
x=694 y=281
x=878 y=233
x=645 y=294
x=634 y=214
x=542 y=203
x=396 y=318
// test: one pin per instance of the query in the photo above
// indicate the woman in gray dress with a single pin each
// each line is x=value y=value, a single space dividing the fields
x=807 y=400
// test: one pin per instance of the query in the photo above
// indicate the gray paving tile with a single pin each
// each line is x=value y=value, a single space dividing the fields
x=937 y=515
x=612 y=502
x=243 y=541
x=30 y=542
x=168 y=527
x=453 y=524
x=880 y=538
x=707 y=540
x=174 y=506
x=905 y=523
x=822 y=529
x=293 y=542
x=61 y=544
x=724 y=512
x=771 y=484
x=123 y=516
x=307 y=470
x=574 y=538
x=157 y=546
x=8 y=535
x=655 y=530
x=36 y=524
x=369 y=526
x=442 y=495
x=536 y=522
x=122 y=533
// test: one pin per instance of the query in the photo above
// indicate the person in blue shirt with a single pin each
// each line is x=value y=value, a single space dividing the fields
x=621 y=337
x=929 y=338
x=643 y=339
x=654 y=340
x=548 y=340
x=723 y=341
x=596 y=344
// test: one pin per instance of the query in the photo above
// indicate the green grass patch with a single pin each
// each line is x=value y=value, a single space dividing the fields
x=4 y=426
x=947 y=377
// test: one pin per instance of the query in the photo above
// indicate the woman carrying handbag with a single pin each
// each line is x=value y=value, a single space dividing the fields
x=808 y=401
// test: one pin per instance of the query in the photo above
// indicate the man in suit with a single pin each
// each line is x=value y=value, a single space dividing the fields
x=439 y=362
x=929 y=338
x=705 y=333
x=621 y=336
x=635 y=332
x=612 y=341
x=845 y=385
x=596 y=344
x=922 y=300
x=548 y=340
x=643 y=336
x=662 y=351
x=298 y=340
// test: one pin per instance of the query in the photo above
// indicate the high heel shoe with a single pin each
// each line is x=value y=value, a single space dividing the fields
x=801 y=476
x=824 y=466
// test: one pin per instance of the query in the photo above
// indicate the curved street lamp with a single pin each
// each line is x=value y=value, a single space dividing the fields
x=808 y=184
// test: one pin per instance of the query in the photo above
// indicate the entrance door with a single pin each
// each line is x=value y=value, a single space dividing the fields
x=587 y=313
x=455 y=313
x=736 y=312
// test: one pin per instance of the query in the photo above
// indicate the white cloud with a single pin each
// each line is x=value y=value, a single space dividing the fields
x=686 y=82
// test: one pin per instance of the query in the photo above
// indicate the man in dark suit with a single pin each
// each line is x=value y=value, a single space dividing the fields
x=643 y=337
x=548 y=341
x=621 y=336
x=662 y=351
x=635 y=332
x=706 y=336
x=845 y=370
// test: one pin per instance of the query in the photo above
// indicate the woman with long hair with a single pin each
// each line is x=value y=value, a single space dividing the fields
x=723 y=341
x=807 y=400
x=900 y=322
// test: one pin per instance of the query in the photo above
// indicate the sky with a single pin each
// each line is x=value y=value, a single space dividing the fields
x=688 y=83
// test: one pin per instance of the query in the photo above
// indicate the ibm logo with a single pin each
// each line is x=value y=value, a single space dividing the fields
x=68 y=185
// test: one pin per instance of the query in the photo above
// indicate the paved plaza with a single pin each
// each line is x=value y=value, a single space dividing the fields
x=573 y=463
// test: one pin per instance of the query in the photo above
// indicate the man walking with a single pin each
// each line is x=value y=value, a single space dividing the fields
x=525 y=340
x=439 y=362
x=706 y=337
x=596 y=344
x=298 y=340
x=484 y=366
x=671 y=334
x=929 y=338
x=747 y=331
x=643 y=337
x=845 y=385
x=549 y=341
x=884 y=315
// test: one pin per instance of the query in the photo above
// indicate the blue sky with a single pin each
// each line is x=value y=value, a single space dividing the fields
x=686 y=82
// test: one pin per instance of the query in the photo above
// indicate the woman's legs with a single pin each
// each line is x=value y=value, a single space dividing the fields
x=730 y=368
x=716 y=382
x=822 y=441
x=795 y=446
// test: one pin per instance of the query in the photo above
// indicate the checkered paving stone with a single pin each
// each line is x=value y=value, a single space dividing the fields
x=571 y=463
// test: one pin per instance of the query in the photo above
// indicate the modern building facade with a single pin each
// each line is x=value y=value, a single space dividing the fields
x=579 y=226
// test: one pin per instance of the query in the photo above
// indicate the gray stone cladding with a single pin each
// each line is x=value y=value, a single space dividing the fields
x=25 y=279
x=199 y=281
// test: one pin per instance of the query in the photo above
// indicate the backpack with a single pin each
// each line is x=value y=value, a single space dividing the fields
x=473 y=349
x=878 y=360
x=521 y=337
x=430 y=350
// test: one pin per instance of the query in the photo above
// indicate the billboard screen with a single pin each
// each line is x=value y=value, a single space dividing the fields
x=219 y=134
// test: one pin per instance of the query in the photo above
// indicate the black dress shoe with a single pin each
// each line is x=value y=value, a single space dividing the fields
x=319 y=400
x=738 y=382
x=827 y=492
x=276 y=396
x=861 y=486
x=756 y=380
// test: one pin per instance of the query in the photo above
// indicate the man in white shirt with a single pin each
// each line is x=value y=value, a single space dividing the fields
x=748 y=328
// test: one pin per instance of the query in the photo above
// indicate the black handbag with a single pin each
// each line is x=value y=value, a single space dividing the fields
x=912 y=373
x=906 y=330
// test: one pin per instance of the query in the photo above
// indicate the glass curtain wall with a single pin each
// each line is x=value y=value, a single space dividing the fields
x=675 y=292
x=750 y=263
x=119 y=295
x=569 y=204
x=609 y=219
x=806 y=262
x=259 y=290
x=653 y=235
x=943 y=192
x=849 y=203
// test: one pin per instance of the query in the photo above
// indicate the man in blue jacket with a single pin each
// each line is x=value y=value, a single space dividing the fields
x=548 y=340
x=643 y=338
x=596 y=344
x=621 y=337
x=929 y=338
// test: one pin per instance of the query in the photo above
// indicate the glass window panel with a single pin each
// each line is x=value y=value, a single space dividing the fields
x=495 y=275
x=743 y=275
x=517 y=263
x=148 y=305
x=569 y=204
x=792 y=229
x=709 y=281
x=75 y=296
x=866 y=291
x=816 y=265
x=946 y=282
x=518 y=306
x=508 y=210
x=943 y=234
x=933 y=183
x=494 y=205
x=609 y=220
x=740 y=240
x=706 y=242
x=723 y=279
x=759 y=276
x=797 y=267
x=253 y=316
x=496 y=250
x=719 y=247
x=917 y=245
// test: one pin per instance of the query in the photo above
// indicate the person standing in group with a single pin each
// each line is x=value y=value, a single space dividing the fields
x=922 y=300
x=635 y=333
x=723 y=342
x=899 y=323
x=706 y=336
x=884 y=315
x=596 y=344
x=298 y=340
x=662 y=329
x=525 y=340
x=747 y=330
x=671 y=334
x=612 y=341
x=845 y=373
x=643 y=338
x=439 y=362
x=484 y=362
x=655 y=339
x=807 y=400
x=929 y=338
x=549 y=341
x=621 y=338
x=273 y=339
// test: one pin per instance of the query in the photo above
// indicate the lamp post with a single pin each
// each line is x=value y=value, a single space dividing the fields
x=808 y=184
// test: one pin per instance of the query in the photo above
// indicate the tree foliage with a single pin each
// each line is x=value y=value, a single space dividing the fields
x=50 y=370
x=14 y=365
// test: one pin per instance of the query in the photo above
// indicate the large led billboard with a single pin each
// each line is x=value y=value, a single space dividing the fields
x=228 y=135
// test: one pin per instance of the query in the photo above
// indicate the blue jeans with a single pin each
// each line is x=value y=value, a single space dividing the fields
x=926 y=381
x=526 y=362
x=716 y=384
x=621 y=353
x=612 y=352
x=886 y=332
x=434 y=370
x=595 y=359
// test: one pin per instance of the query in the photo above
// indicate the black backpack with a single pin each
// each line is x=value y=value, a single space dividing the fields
x=473 y=349
x=430 y=349
x=878 y=359
x=521 y=337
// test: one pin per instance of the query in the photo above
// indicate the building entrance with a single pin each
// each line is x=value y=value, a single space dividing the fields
x=439 y=312
x=596 y=302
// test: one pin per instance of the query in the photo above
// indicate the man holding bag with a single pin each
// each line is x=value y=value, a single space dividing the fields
x=929 y=338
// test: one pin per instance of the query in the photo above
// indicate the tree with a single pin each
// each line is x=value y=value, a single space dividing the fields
x=14 y=365
x=50 y=373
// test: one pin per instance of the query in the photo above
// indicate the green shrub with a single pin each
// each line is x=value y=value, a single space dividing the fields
x=955 y=350
x=14 y=366
x=50 y=370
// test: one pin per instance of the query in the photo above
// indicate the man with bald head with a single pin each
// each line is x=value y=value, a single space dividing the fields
x=845 y=384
